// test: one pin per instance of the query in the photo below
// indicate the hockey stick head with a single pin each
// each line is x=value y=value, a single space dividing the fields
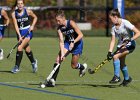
x=91 y=71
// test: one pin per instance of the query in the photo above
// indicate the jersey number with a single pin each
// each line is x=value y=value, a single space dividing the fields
x=21 y=24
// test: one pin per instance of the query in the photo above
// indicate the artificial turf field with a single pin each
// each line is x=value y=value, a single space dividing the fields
x=69 y=86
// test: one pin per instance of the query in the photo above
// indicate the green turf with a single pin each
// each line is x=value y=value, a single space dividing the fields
x=24 y=85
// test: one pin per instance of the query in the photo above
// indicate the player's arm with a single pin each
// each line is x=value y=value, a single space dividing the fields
x=111 y=47
x=4 y=13
x=133 y=28
x=112 y=43
x=61 y=42
x=16 y=25
x=31 y=13
x=77 y=30
x=137 y=33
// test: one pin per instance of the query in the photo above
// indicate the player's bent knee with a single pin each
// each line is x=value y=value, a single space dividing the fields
x=74 y=66
x=20 y=48
x=115 y=57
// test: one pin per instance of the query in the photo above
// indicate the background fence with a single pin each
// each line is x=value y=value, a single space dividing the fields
x=92 y=11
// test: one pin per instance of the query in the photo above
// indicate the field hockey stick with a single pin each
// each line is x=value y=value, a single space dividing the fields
x=103 y=62
x=17 y=45
x=56 y=67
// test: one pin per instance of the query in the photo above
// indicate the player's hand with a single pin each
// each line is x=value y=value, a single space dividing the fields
x=5 y=25
x=109 y=55
x=31 y=28
x=20 y=39
x=71 y=46
x=62 y=58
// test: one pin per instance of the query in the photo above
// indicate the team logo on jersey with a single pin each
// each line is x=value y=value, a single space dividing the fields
x=68 y=32
x=22 y=19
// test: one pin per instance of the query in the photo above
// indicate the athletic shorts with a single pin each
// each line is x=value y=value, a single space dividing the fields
x=78 y=47
x=25 y=31
x=130 y=47
x=2 y=28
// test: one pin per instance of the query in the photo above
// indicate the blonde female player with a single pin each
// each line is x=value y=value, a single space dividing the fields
x=22 y=25
x=4 y=22
x=127 y=33
x=73 y=42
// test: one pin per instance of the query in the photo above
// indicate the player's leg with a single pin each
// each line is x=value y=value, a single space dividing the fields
x=1 y=37
x=52 y=81
x=1 y=51
x=33 y=61
x=124 y=68
x=76 y=65
x=19 y=55
x=116 y=64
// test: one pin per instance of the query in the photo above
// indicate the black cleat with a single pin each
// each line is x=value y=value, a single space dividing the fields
x=115 y=79
x=126 y=82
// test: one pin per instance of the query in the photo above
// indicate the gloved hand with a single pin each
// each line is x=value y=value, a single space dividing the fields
x=109 y=55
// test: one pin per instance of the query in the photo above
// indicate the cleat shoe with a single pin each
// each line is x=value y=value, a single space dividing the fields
x=1 y=55
x=126 y=82
x=83 y=71
x=50 y=83
x=15 y=69
x=115 y=79
x=34 y=66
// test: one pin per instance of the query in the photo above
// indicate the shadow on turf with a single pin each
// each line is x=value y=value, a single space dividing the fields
x=88 y=85
x=99 y=85
x=5 y=71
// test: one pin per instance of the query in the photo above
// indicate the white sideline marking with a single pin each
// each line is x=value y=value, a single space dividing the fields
x=14 y=82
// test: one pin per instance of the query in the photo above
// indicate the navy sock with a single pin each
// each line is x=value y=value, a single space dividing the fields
x=19 y=55
x=80 y=66
x=30 y=56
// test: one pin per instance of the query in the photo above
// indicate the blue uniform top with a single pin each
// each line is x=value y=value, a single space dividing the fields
x=1 y=18
x=70 y=35
x=68 y=31
x=23 y=20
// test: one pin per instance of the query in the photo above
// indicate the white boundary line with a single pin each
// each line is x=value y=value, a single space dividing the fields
x=64 y=81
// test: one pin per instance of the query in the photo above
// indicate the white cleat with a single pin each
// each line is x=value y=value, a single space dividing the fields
x=35 y=66
x=1 y=55
x=82 y=72
x=15 y=69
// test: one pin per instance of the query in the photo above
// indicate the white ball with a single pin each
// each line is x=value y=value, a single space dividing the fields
x=42 y=86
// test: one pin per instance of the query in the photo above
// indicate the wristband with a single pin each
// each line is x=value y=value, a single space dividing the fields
x=72 y=41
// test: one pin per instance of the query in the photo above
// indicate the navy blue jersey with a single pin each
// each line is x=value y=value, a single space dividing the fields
x=23 y=20
x=1 y=18
x=68 y=31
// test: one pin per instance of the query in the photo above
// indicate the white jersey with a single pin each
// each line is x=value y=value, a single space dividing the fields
x=123 y=32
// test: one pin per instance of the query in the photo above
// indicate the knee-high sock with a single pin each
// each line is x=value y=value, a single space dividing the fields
x=116 y=64
x=30 y=56
x=56 y=72
x=80 y=66
x=19 y=55
x=125 y=73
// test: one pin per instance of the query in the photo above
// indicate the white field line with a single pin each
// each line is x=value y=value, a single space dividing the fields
x=64 y=81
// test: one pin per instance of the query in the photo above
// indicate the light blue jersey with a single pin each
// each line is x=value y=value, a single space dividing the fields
x=123 y=32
